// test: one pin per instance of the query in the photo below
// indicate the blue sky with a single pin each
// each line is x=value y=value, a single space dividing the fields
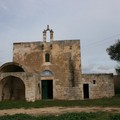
x=95 y=22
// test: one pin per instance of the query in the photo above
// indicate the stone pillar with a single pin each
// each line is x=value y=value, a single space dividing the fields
x=51 y=35
x=44 y=36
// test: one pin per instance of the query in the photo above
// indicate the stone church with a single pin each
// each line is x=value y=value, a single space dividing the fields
x=50 y=70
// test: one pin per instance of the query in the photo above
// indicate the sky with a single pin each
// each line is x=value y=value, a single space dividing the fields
x=95 y=22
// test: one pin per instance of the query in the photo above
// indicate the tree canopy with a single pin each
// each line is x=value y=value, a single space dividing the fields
x=114 y=52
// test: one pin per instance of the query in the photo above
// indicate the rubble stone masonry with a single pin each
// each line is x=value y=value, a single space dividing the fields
x=50 y=70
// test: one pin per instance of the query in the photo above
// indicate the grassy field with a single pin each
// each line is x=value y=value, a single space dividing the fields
x=104 y=102
x=70 y=116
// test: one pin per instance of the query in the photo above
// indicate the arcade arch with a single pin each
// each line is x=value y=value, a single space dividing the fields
x=12 y=88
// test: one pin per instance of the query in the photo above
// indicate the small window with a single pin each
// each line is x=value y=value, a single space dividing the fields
x=94 y=81
x=51 y=46
x=70 y=47
x=47 y=57
x=42 y=47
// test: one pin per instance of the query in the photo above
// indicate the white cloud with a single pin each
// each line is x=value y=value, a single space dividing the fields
x=3 y=6
x=92 y=68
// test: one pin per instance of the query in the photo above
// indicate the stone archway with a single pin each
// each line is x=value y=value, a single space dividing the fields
x=11 y=67
x=12 y=88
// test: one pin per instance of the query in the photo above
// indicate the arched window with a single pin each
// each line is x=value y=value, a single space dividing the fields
x=47 y=57
x=46 y=73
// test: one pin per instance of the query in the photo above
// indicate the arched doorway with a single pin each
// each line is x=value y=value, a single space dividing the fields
x=12 y=88
x=47 y=84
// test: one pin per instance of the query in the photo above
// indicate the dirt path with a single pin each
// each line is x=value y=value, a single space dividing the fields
x=57 y=110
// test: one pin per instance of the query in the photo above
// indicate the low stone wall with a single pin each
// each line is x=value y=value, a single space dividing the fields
x=100 y=85
x=69 y=93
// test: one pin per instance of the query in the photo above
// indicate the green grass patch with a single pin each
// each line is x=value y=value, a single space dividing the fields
x=68 y=116
x=104 y=102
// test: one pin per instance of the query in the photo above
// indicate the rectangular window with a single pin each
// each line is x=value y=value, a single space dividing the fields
x=94 y=81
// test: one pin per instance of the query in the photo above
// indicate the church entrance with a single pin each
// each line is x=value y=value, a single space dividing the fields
x=47 y=89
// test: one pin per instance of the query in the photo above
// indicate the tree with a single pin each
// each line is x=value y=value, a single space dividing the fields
x=114 y=52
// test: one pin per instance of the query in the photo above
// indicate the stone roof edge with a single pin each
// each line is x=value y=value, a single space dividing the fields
x=98 y=74
x=47 y=42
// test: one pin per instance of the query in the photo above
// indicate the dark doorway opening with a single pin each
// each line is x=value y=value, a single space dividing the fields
x=86 y=91
x=12 y=88
x=47 y=89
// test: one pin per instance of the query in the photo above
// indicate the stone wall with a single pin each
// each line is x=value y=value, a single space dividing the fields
x=100 y=85
x=65 y=64
x=57 y=63
x=28 y=80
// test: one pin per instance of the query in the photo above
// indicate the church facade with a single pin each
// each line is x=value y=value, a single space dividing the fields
x=50 y=70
